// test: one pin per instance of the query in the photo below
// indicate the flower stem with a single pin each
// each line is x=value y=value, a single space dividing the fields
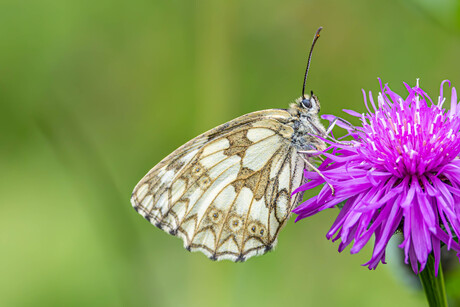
x=434 y=286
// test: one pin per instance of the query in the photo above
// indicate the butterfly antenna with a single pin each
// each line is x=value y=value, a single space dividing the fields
x=309 y=59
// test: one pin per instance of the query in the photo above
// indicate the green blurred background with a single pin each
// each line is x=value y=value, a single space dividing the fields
x=94 y=93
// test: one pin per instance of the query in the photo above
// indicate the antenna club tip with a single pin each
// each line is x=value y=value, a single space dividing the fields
x=319 y=30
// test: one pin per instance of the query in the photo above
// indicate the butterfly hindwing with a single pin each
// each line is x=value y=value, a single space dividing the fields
x=227 y=192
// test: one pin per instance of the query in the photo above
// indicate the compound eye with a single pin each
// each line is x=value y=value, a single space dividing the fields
x=306 y=103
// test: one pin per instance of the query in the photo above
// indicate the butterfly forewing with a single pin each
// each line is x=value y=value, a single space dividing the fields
x=227 y=192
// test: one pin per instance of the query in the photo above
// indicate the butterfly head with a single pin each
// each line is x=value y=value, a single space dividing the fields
x=310 y=104
x=305 y=106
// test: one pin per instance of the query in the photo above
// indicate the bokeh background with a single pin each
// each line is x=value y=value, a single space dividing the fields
x=94 y=93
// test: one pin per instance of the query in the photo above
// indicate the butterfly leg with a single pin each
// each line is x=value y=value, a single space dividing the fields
x=331 y=125
x=312 y=153
x=341 y=120
x=319 y=173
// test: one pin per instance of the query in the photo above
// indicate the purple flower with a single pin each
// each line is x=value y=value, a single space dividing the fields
x=400 y=171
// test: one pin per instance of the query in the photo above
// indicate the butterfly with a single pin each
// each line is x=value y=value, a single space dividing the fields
x=227 y=192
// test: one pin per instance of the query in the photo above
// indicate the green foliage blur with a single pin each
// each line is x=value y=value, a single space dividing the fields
x=95 y=93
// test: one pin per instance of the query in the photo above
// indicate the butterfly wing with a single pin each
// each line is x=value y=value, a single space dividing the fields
x=226 y=192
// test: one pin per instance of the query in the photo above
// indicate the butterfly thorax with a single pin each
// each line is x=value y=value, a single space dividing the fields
x=306 y=124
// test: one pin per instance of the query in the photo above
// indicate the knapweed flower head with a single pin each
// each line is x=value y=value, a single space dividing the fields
x=400 y=172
